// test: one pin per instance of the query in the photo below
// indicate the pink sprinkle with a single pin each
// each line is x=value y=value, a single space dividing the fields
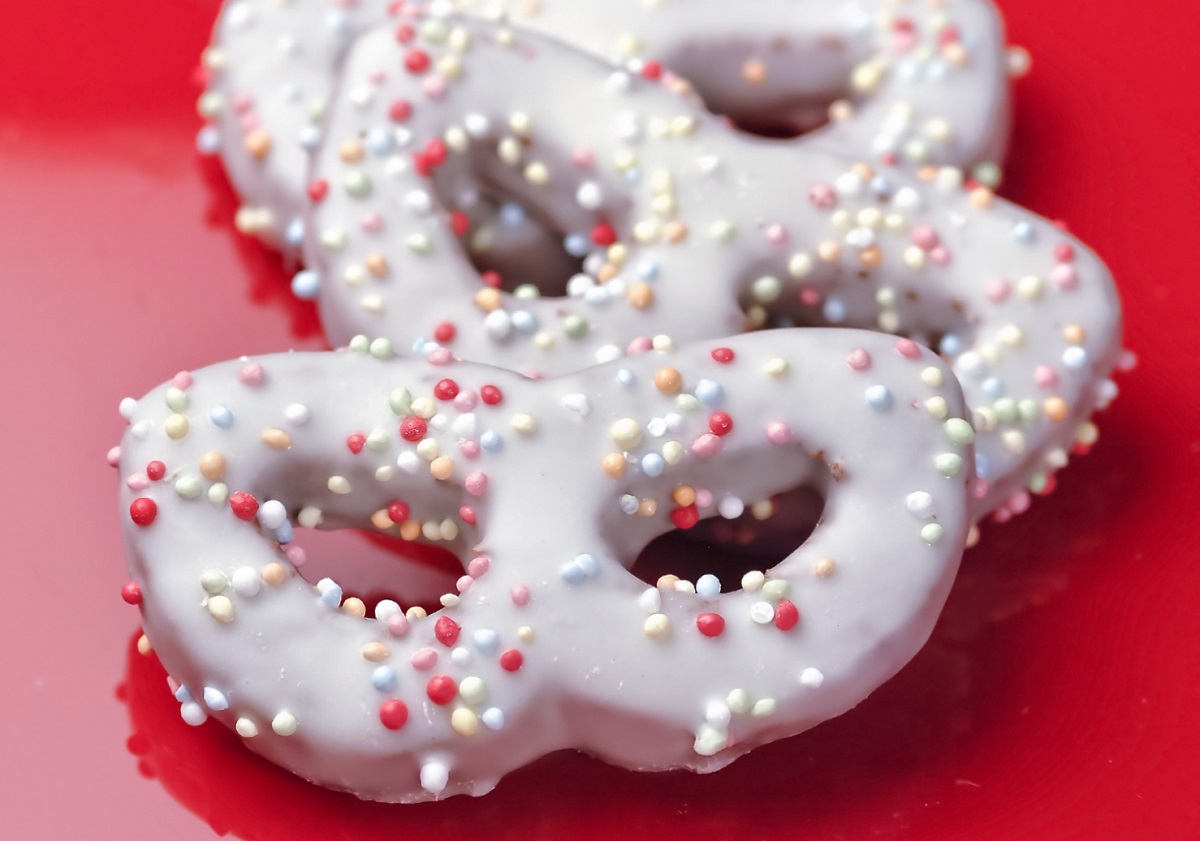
x=1064 y=252
x=810 y=296
x=467 y=514
x=776 y=233
x=464 y=583
x=908 y=348
x=375 y=77
x=1002 y=515
x=243 y=102
x=532 y=374
x=520 y=595
x=940 y=256
x=295 y=555
x=476 y=483
x=1064 y=276
x=640 y=345
x=251 y=374
x=1018 y=503
x=439 y=356
x=249 y=121
x=902 y=42
x=466 y=401
x=1051 y=484
x=1045 y=376
x=372 y=222
x=469 y=449
x=925 y=237
x=778 y=432
x=583 y=158
x=397 y=624
x=822 y=195
x=859 y=360
x=182 y=380
x=113 y=457
x=479 y=566
x=137 y=481
x=706 y=445
x=434 y=87
x=997 y=290
x=981 y=488
x=424 y=659
x=704 y=498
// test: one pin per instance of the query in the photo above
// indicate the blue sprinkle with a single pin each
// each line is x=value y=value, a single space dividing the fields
x=993 y=387
x=576 y=245
x=294 y=233
x=633 y=176
x=332 y=596
x=710 y=393
x=419 y=345
x=983 y=467
x=628 y=503
x=572 y=572
x=309 y=137
x=881 y=186
x=208 y=140
x=951 y=345
x=379 y=141
x=182 y=695
x=653 y=465
x=512 y=215
x=306 y=284
x=647 y=270
x=834 y=310
x=588 y=564
x=491 y=441
x=384 y=678
x=486 y=640
x=523 y=321
x=493 y=718
x=221 y=417
x=285 y=534
x=625 y=377
x=1024 y=232
x=1075 y=357
x=336 y=20
x=215 y=699
x=879 y=397
x=708 y=585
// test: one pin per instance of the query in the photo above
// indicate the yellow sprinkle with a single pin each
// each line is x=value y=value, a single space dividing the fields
x=177 y=427
x=376 y=652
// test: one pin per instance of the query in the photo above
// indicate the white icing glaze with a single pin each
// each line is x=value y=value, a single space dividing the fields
x=608 y=667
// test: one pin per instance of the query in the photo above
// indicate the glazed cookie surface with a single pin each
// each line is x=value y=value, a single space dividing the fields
x=914 y=83
x=547 y=490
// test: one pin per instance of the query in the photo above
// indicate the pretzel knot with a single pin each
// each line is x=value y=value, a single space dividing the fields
x=549 y=489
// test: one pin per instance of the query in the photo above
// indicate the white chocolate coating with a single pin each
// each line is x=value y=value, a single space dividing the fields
x=916 y=82
x=609 y=665
x=716 y=232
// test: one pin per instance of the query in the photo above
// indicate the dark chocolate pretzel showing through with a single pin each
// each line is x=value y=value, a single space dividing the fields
x=694 y=231
x=547 y=490
x=914 y=82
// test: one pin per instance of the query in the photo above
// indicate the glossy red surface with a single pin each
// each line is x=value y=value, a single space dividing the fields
x=1056 y=700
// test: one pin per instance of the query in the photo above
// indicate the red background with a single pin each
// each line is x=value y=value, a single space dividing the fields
x=1056 y=700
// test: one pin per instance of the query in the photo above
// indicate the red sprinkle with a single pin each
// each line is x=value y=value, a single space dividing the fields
x=318 y=189
x=1064 y=252
x=132 y=593
x=786 y=615
x=400 y=110
x=244 y=505
x=491 y=279
x=685 y=516
x=355 y=443
x=723 y=355
x=393 y=714
x=416 y=61
x=413 y=429
x=720 y=423
x=467 y=514
x=398 y=511
x=445 y=390
x=710 y=624
x=491 y=395
x=435 y=152
x=446 y=630
x=512 y=660
x=445 y=332
x=460 y=223
x=441 y=689
x=652 y=70
x=143 y=510
x=155 y=470
x=604 y=234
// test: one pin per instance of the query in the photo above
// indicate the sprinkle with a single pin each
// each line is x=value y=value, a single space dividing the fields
x=948 y=464
x=284 y=723
x=244 y=505
x=931 y=533
x=276 y=439
x=221 y=609
x=879 y=397
x=143 y=511
x=464 y=722
x=246 y=728
x=959 y=431
x=176 y=427
x=441 y=689
x=511 y=660
x=626 y=433
x=435 y=775
x=524 y=424
x=859 y=360
x=657 y=626
x=393 y=714
x=812 y=678
x=131 y=593
x=710 y=624
x=763 y=613
x=824 y=568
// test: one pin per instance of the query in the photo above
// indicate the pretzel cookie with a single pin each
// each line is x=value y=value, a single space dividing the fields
x=548 y=489
x=688 y=231
x=914 y=82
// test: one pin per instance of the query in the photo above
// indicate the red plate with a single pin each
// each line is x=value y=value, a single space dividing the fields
x=1057 y=698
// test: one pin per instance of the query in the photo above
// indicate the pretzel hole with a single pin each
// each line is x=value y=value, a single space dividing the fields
x=522 y=236
x=781 y=89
